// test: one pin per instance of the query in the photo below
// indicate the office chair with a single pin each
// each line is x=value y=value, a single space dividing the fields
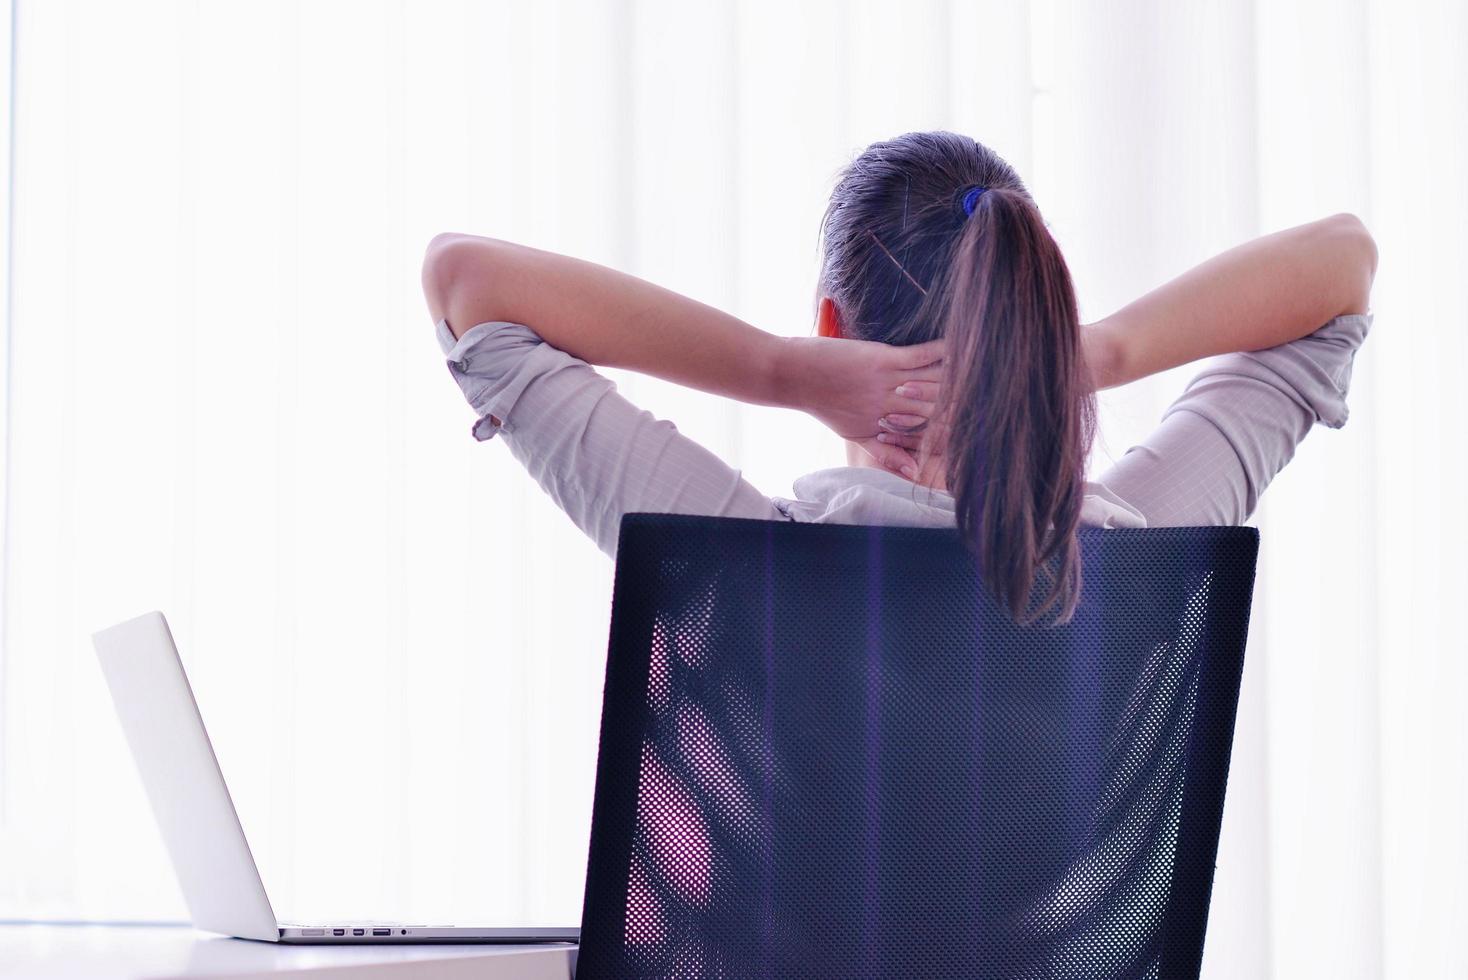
x=826 y=750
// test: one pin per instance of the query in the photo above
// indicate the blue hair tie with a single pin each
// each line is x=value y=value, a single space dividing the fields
x=971 y=199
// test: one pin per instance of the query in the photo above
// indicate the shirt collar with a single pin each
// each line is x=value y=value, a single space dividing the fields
x=1100 y=507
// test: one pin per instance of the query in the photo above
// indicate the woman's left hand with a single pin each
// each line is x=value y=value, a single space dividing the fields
x=852 y=384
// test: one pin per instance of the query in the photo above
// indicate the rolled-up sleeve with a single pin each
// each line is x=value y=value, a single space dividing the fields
x=1235 y=427
x=592 y=451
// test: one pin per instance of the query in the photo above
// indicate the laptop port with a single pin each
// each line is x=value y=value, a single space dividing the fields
x=359 y=932
x=313 y=932
x=338 y=932
x=382 y=932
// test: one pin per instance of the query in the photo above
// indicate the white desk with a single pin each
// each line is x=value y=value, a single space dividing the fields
x=44 y=951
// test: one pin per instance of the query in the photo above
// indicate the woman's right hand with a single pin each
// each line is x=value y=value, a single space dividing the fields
x=920 y=431
x=850 y=385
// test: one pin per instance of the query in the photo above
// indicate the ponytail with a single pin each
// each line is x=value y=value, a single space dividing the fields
x=934 y=235
x=1020 y=408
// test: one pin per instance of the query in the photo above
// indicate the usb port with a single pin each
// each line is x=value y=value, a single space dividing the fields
x=359 y=932
x=313 y=932
x=382 y=932
x=338 y=932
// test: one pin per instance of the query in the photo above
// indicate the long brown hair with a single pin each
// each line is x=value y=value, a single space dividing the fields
x=906 y=262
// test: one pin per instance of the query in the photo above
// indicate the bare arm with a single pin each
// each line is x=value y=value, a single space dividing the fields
x=606 y=317
x=1263 y=293
x=600 y=315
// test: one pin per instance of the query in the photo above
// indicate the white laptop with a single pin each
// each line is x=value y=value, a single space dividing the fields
x=220 y=882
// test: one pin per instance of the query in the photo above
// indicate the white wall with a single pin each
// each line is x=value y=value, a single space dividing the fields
x=223 y=399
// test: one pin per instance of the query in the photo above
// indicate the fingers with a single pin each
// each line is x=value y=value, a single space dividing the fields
x=902 y=440
x=893 y=458
x=902 y=422
x=910 y=431
x=922 y=355
x=908 y=413
x=922 y=391
x=896 y=405
x=930 y=372
x=908 y=406
x=902 y=430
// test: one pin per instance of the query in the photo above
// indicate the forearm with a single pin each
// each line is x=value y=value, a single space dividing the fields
x=1263 y=293
x=602 y=316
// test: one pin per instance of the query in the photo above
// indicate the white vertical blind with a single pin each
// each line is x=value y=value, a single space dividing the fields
x=1324 y=784
x=1418 y=154
x=223 y=399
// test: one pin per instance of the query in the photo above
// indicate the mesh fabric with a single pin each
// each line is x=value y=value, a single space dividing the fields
x=827 y=751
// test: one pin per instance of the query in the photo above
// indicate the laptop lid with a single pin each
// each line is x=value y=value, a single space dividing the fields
x=181 y=776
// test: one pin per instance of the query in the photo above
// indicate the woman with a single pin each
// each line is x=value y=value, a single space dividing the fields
x=949 y=355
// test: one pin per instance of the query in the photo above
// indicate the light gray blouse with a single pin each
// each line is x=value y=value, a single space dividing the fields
x=598 y=456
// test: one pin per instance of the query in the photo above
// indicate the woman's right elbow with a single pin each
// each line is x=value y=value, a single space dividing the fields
x=450 y=262
x=436 y=273
x=1359 y=253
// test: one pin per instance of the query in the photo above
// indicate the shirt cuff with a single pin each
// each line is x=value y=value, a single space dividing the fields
x=1317 y=367
x=492 y=363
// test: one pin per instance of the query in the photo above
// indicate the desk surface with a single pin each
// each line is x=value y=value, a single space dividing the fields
x=46 y=951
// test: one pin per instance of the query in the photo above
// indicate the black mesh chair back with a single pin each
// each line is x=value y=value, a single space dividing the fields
x=827 y=751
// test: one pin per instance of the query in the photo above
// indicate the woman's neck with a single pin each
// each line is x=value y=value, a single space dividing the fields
x=930 y=467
